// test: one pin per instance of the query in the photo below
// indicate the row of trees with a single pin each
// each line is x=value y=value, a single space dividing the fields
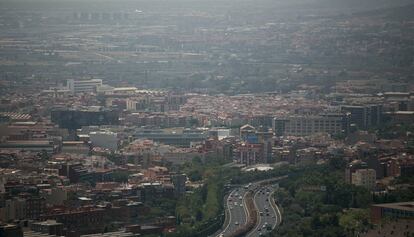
x=200 y=212
x=313 y=203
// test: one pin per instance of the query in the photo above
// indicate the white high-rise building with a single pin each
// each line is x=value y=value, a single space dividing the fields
x=78 y=86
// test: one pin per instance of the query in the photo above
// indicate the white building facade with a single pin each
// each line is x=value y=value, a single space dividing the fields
x=80 y=86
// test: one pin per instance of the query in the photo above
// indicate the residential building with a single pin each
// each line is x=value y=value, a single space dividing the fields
x=13 y=209
x=249 y=153
x=35 y=207
x=76 y=118
x=401 y=117
x=49 y=227
x=352 y=167
x=364 y=116
x=365 y=178
x=179 y=183
x=10 y=231
x=305 y=125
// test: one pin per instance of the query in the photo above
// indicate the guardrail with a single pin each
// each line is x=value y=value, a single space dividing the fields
x=252 y=210
x=276 y=208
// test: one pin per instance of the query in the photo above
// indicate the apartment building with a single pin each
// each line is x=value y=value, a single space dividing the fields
x=305 y=125
x=365 y=178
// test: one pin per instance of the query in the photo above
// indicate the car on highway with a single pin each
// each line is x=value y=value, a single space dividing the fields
x=236 y=223
x=266 y=226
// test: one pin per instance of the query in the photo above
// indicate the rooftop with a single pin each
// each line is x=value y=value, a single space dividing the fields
x=406 y=206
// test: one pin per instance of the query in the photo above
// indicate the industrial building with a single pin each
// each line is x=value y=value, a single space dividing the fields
x=80 y=86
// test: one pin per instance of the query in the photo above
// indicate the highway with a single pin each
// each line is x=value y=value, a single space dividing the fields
x=269 y=215
x=236 y=211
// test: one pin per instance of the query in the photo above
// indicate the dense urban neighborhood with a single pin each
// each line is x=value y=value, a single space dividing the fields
x=197 y=118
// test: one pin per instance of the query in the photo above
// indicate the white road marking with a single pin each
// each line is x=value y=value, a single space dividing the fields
x=228 y=207
x=276 y=211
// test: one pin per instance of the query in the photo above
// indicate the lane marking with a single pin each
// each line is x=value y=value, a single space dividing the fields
x=276 y=211
x=228 y=208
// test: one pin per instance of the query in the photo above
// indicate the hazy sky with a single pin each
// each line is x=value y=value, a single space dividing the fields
x=355 y=4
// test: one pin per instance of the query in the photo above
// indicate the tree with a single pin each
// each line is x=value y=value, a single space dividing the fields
x=362 y=197
x=43 y=155
x=337 y=163
x=354 y=221
x=197 y=161
x=193 y=122
x=195 y=175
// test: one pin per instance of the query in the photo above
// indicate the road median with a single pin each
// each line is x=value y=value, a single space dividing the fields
x=251 y=217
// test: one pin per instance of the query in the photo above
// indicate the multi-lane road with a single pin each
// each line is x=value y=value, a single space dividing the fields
x=268 y=214
x=237 y=215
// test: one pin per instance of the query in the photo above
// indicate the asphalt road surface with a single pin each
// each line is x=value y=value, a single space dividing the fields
x=268 y=216
x=236 y=210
